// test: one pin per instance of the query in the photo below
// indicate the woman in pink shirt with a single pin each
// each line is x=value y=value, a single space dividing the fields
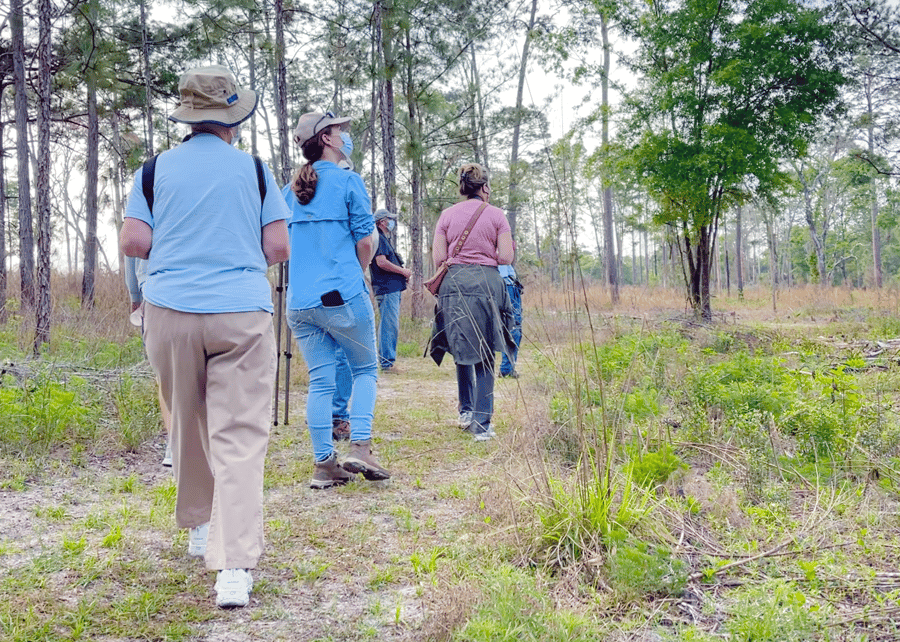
x=474 y=315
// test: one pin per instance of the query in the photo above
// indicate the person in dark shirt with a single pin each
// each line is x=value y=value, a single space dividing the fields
x=389 y=279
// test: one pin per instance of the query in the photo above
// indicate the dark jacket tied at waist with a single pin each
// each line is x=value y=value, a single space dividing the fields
x=473 y=318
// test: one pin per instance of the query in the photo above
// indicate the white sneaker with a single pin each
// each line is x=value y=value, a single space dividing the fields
x=197 y=540
x=465 y=419
x=233 y=587
x=167 y=458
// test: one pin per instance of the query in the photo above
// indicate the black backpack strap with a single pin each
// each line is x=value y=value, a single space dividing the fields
x=260 y=179
x=148 y=172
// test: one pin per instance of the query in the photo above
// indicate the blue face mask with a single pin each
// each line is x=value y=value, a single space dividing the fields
x=347 y=147
x=391 y=224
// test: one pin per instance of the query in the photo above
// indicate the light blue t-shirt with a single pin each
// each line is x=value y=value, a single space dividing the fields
x=207 y=225
x=324 y=234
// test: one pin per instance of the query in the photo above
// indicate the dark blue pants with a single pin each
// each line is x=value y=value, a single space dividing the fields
x=507 y=366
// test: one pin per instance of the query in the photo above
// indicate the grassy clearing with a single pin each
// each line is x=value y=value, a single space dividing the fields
x=654 y=479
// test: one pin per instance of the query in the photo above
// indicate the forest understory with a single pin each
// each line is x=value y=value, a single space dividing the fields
x=653 y=479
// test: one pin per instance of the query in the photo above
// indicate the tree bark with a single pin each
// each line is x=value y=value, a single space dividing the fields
x=512 y=208
x=480 y=130
x=90 y=241
x=417 y=219
x=387 y=34
x=876 y=232
x=43 y=307
x=612 y=274
x=26 y=230
x=281 y=95
x=739 y=252
x=148 y=96
x=3 y=276
x=254 y=147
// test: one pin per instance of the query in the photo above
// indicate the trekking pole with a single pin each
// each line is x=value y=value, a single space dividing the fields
x=279 y=311
x=287 y=351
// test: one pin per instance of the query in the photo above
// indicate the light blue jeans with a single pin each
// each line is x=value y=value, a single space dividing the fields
x=320 y=331
x=388 y=327
x=340 y=403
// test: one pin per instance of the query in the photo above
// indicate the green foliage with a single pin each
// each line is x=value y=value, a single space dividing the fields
x=615 y=358
x=101 y=354
x=721 y=104
x=827 y=419
x=41 y=413
x=637 y=569
x=653 y=468
x=516 y=608
x=577 y=520
x=740 y=384
x=137 y=410
x=773 y=612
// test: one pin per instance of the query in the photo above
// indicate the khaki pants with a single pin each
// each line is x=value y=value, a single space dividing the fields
x=217 y=375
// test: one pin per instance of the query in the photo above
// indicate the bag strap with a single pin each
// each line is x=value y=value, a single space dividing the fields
x=465 y=234
x=148 y=174
x=260 y=179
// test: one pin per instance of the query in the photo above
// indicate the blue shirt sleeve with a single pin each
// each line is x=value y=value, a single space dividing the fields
x=274 y=208
x=137 y=204
x=360 y=208
x=131 y=280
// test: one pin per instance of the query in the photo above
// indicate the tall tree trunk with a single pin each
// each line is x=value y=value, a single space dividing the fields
x=512 y=208
x=389 y=60
x=473 y=112
x=373 y=110
x=281 y=95
x=42 y=310
x=646 y=261
x=739 y=251
x=612 y=274
x=876 y=232
x=3 y=276
x=90 y=240
x=417 y=222
x=254 y=147
x=148 y=96
x=116 y=175
x=481 y=130
x=26 y=230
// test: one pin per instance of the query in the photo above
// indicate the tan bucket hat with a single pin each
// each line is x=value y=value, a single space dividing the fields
x=211 y=95
x=312 y=123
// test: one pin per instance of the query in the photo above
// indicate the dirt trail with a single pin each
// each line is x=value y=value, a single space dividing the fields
x=355 y=563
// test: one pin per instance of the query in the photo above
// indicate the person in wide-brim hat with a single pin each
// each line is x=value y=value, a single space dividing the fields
x=211 y=95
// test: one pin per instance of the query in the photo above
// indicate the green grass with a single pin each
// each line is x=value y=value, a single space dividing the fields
x=651 y=481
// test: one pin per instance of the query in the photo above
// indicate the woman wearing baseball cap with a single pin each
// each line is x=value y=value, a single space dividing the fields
x=333 y=239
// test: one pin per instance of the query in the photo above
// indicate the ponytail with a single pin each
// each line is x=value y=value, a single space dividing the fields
x=304 y=183
x=306 y=179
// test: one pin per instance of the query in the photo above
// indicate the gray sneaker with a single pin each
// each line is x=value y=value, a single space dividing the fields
x=481 y=433
x=465 y=419
x=329 y=473
x=361 y=460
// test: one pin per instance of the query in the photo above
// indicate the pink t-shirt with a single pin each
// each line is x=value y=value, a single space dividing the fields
x=480 y=247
